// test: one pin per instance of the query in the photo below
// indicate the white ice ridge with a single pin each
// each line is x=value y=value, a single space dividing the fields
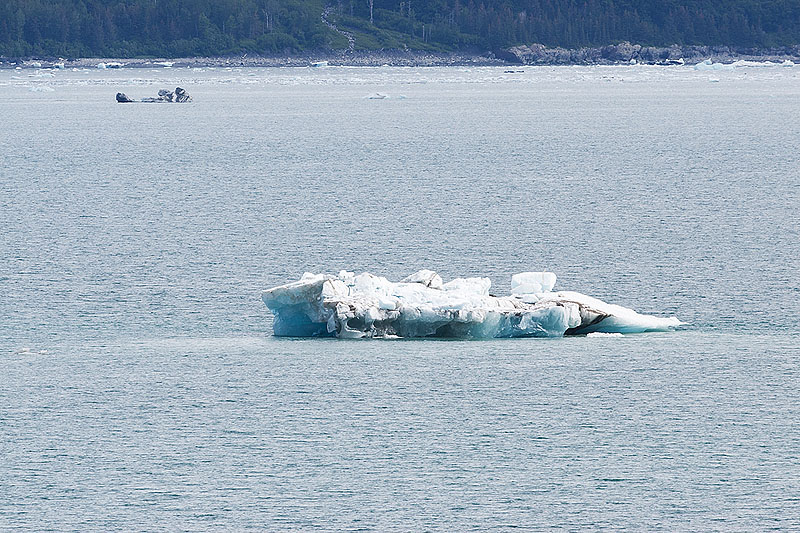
x=421 y=305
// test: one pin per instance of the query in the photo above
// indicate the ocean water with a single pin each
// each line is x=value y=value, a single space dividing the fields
x=140 y=387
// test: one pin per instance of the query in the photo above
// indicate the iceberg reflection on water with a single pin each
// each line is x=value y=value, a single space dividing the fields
x=421 y=305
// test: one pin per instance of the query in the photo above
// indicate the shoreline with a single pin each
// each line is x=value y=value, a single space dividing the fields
x=523 y=55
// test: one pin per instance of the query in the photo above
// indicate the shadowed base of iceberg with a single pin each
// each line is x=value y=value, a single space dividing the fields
x=421 y=305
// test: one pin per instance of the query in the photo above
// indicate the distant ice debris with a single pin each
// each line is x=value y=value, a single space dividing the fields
x=746 y=63
x=42 y=89
x=601 y=334
x=710 y=65
x=422 y=305
x=384 y=96
x=26 y=350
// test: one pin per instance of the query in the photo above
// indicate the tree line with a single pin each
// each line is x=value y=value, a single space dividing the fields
x=173 y=28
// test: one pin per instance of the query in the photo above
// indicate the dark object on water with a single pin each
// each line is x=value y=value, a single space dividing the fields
x=177 y=96
x=181 y=95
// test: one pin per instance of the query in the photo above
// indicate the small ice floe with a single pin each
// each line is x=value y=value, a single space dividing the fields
x=710 y=65
x=28 y=351
x=601 y=334
x=165 y=64
x=319 y=64
x=59 y=66
x=377 y=96
x=41 y=89
x=36 y=64
x=179 y=96
x=713 y=80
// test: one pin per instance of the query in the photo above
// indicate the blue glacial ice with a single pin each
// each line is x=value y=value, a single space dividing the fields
x=710 y=65
x=422 y=305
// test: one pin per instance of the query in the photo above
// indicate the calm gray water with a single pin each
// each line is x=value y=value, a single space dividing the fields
x=136 y=238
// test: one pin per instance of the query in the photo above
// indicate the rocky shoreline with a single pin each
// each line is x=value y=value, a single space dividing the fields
x=538 y=54
x=534 y=54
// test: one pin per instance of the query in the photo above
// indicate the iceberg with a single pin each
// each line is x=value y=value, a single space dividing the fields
x=347 y=305
x=710 y=65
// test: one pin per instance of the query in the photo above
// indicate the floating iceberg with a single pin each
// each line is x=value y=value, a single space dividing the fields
x=422 y=305
x=710 y=65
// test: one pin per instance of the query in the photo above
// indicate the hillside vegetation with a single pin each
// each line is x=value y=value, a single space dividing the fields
x=172 y=28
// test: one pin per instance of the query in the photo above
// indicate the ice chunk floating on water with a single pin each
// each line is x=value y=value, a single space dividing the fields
x=710 y=65
x=422 y=305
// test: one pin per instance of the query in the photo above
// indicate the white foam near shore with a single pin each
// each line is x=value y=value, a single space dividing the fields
x=422 y=305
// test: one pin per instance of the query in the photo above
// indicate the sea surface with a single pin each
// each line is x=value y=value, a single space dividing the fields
x=140 y=386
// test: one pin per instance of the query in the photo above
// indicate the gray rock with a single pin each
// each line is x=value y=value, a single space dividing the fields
x=122 y=98
x=622 y=52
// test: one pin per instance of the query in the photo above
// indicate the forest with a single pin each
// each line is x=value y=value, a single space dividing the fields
x=181 y=28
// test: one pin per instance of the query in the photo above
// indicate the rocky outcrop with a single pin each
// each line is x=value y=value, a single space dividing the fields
x=625 y=52
x=122 y=98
